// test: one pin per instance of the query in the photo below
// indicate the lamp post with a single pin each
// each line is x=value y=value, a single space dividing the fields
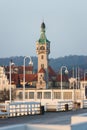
x=66 y=71
x=85 y=73
x=10 y=64
x=85 y=77
x=24 y=75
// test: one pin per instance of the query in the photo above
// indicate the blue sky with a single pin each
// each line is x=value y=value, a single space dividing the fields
x=66 y=26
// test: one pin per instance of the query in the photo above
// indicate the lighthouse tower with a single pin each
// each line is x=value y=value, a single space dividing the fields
x=43 y=51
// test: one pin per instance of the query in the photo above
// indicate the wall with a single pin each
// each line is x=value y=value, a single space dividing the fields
x=36 y=127
x=80 y=126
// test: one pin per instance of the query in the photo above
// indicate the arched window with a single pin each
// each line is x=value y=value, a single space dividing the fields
x=42 y=56
x=42 y=48
x=42 y=65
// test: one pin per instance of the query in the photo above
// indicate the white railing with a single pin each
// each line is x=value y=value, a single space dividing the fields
x=64 y=105
x=20 y=108
x=84 y=103
x=3 y=110
x=59 y=106
x=31 y=108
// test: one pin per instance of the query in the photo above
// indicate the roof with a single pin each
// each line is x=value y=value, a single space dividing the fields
x=17 y=78
x=43 y=39
x=27 y=68
x=19 y=69
x=43 y=25
x=64 y=78
x=30 y=77
x=42 y=70
x=82 y=79
x=51 y=71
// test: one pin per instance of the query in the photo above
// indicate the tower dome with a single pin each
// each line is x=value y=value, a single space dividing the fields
x=43 y=25
x=43 y=39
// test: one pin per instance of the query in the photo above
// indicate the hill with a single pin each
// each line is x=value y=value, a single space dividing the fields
x=69 y=61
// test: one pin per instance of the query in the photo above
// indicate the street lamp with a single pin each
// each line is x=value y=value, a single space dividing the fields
x=24 y=75
x=85 y=73
x=85 y=77
x=66 y=71
x=10 y=64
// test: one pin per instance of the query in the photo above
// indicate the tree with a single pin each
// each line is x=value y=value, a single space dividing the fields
x=4 y=95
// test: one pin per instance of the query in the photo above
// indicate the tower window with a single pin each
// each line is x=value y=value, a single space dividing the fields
x=40 y=82
x=42 y=57
x=42 y=65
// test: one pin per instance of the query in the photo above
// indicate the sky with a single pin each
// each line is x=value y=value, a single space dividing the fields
x=20 y=26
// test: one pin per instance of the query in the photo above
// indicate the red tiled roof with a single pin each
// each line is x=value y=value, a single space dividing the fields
x=19 y=69
x=82 y=79
x=15 y=78
x=18 y=77
x=27 y=68
x=30 y=77
x=42 y=70
x=51 y=71
x=64 y=78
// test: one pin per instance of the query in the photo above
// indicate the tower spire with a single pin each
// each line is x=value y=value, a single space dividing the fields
x=43 y=39
x=43 y=27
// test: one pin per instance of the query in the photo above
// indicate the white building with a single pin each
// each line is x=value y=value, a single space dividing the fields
x=4 y=83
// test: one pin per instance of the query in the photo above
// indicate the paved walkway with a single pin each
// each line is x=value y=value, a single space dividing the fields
x=56 y=118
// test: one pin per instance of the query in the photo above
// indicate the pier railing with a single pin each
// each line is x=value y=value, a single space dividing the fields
x=19 y=109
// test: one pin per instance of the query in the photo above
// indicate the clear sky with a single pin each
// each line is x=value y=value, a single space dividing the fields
x=66 y=26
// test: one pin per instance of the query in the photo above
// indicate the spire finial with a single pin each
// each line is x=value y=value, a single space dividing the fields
x=43 y=25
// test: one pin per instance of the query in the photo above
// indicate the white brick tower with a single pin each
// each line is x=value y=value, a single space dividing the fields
x=43 y=51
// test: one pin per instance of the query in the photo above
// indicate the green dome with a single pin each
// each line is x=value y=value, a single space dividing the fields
x=43 y=39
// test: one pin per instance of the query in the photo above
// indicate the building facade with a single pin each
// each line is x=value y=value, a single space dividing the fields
x=4 y=83
x=45 y=77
